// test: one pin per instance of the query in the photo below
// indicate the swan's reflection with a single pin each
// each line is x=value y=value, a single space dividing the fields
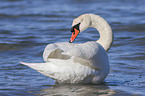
x=77 y=90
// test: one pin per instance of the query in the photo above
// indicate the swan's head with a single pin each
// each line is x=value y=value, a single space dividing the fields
x=79 y=24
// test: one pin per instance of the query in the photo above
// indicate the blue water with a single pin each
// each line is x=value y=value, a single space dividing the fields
x=26 y=27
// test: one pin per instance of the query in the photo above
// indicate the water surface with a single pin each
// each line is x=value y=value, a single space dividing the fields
x=26 y=27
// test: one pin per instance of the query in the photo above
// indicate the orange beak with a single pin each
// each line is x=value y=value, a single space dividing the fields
x=74 y=35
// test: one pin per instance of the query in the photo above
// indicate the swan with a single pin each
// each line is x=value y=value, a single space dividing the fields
x=85 y=63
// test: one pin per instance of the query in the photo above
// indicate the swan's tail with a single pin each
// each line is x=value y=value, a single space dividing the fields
x=37 y=66
x=44 y=68
x=29 y=64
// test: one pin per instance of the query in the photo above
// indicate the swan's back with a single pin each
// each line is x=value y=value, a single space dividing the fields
x=89 y=56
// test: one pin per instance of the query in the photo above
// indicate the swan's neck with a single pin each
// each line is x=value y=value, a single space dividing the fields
x=104 y=29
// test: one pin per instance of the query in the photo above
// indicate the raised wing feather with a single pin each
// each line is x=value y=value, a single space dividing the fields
x=86 y=54
x=54 y=51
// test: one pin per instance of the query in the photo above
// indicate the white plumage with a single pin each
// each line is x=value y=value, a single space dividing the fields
x=78 y=63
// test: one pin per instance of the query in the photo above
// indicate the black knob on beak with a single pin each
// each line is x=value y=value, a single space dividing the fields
x=70 y=41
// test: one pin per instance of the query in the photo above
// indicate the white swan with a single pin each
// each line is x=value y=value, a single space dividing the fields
x=78 y=63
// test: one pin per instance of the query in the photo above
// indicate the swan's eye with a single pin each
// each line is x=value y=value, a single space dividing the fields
x=72 y=29
x=75 y=26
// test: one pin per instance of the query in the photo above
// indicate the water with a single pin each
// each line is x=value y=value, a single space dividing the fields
x=26 y=27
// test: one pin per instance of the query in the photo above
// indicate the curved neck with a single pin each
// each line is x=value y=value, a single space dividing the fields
x=104 y=29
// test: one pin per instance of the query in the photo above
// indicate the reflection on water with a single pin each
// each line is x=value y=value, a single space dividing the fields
x=77 y=90
x=82 y=90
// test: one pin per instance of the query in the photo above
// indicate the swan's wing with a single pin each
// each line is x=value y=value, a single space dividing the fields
x=89 y=54
x=86 y=51
x=66 y=51
x=54 y=51
x=84 y=62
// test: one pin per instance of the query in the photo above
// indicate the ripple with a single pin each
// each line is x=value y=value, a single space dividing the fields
x=130 y=28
